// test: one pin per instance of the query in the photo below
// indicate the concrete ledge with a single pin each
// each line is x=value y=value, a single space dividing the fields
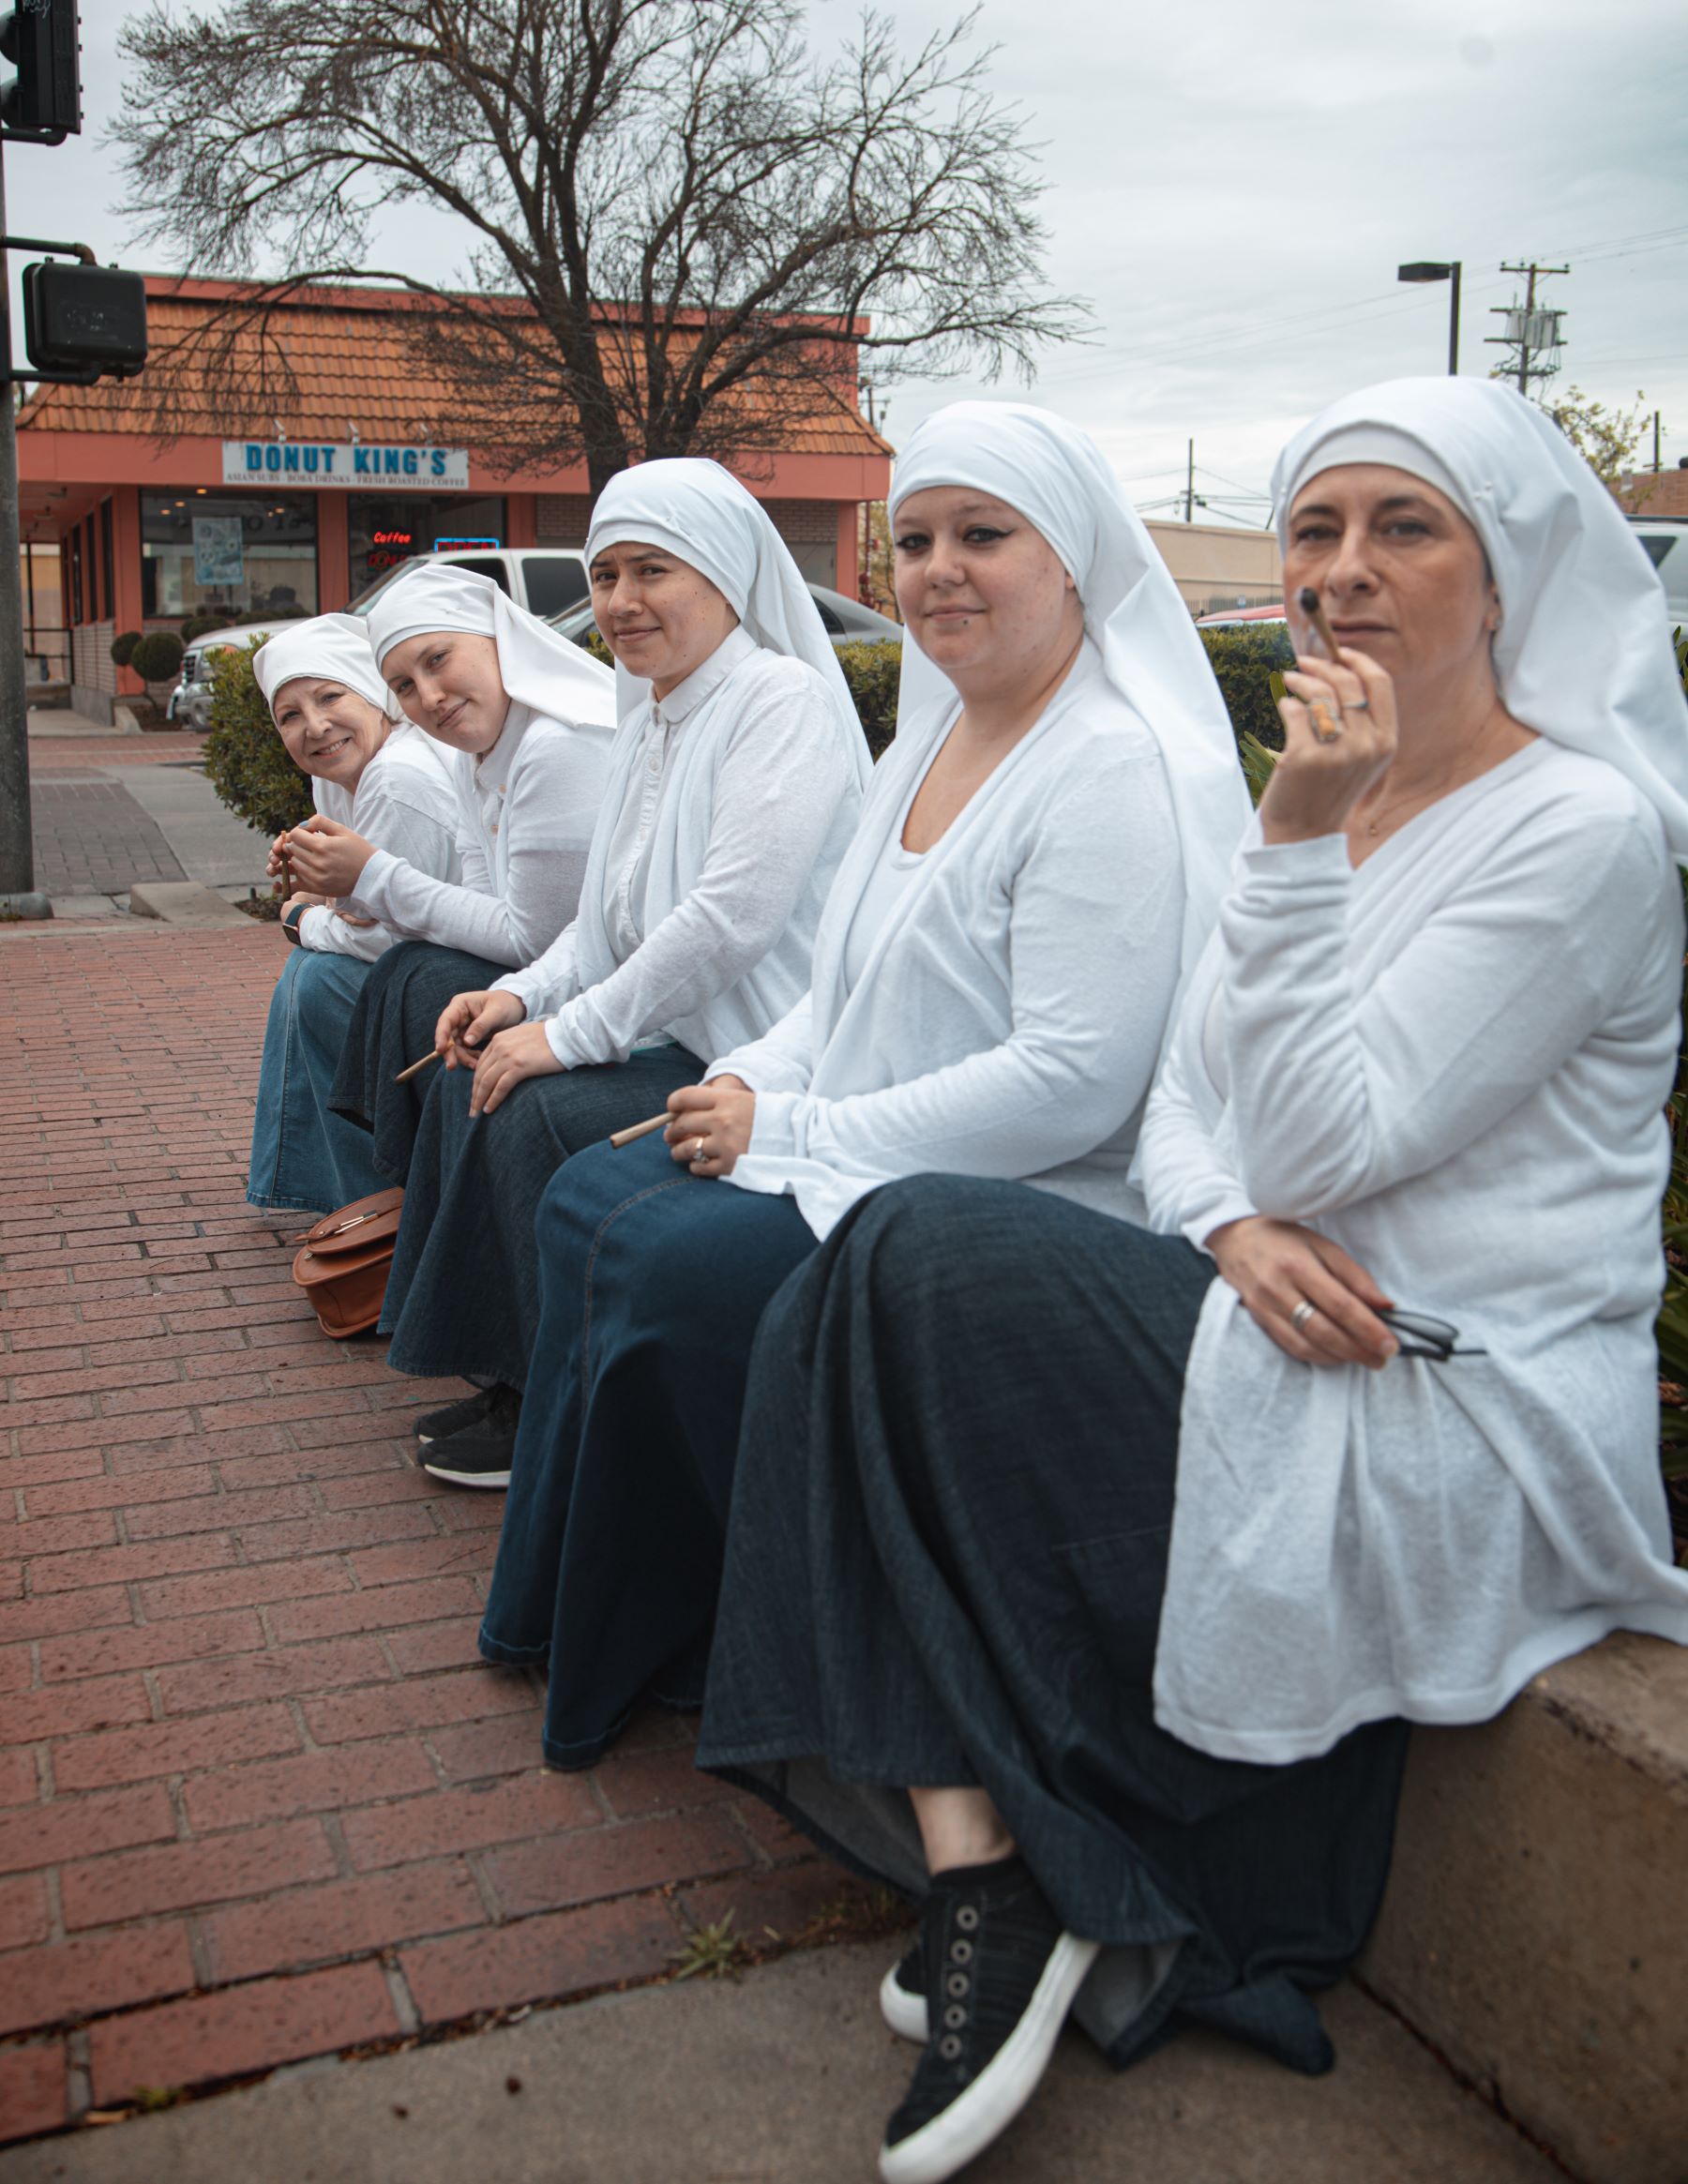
x=25 y=906
x=1535 y=1929
x=182 y=902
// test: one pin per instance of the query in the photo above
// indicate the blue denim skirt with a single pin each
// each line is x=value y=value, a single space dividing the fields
x=650 y=1284
x=946 y=1563
x=463 y=1295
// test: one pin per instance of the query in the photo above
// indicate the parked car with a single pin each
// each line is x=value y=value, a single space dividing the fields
x=1235 y=617
x=1665 y=539
x=846 y=621
x=546 y=579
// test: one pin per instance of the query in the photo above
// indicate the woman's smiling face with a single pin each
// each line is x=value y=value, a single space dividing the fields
x=328 y=731
x=447 y=681
x=980 y=588
x=659 y=615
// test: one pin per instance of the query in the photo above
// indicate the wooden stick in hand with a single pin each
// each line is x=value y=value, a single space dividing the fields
x=640 y=1129
x=415 y=1068
x=1307 y=600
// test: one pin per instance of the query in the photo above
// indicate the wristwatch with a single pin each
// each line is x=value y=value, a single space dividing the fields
x=290 y=926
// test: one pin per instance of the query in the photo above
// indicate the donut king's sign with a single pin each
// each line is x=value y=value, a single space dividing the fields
x=369 y=465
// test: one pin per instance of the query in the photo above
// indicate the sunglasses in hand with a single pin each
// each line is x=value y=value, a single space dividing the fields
x=1421 y=1335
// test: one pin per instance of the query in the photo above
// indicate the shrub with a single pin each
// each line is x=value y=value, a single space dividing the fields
x=123 y=647
x=246 y=760
x=1244 y=658
x=157 y=657
x=872 y=671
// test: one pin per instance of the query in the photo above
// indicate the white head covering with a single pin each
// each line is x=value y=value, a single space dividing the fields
x=335 y=647
x=698 y=512
x=1583 y=653
x=1059 y=480
x=537 y=668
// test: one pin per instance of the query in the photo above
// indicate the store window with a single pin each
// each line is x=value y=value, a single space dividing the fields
x=73 y=541
x=252 y=553
x=384 y=529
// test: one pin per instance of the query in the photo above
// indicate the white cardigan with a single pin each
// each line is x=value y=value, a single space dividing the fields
x=525 y=815
x=406 y=801
x=760 y=798
x=1452 y=1061
x=1012 y=1006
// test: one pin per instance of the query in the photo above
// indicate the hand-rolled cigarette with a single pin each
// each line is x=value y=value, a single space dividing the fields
x=415 y=1068
x=1307 y=600
x=640 y=1129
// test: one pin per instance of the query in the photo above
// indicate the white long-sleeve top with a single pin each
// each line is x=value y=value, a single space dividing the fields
x=405 y=802
x=729 y=805
x=1008 y=1016
x=525 y=813
x=1452 y=1061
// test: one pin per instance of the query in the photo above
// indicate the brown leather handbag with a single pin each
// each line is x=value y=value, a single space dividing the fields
x=343 y=1267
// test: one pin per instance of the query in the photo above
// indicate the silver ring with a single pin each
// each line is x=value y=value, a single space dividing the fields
x=1358 y=705
x=1300 y=1317
x=697 y=1151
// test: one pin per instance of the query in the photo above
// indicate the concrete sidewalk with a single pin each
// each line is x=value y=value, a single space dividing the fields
x=786 y=2078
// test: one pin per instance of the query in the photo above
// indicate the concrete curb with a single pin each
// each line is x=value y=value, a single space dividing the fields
x=182 y=902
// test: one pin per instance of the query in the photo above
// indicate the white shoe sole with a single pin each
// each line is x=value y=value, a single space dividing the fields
x=1002 y=2089
x=495 y=1482
x=905 y=2013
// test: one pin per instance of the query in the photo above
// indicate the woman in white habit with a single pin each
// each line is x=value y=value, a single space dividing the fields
x=735 y=784
x=386 y=780
x=1130 y=1554
x=1037 y=863
x=527 y=719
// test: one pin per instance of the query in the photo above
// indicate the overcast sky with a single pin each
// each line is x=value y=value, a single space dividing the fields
x=1233 y=187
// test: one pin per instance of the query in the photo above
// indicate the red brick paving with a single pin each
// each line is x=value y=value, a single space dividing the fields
x=258 y=1798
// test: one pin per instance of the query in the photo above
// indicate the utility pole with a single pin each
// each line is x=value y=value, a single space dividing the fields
x=1655 y=443
x=1530 y=332
x=17 y=844
x=1190 y=483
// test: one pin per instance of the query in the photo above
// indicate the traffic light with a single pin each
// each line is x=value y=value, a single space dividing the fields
x=84 y=317
x=42 y=104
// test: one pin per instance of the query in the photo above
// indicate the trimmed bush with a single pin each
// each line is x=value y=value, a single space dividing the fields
x=158 y=658
x=123 y=647
x=246 y=760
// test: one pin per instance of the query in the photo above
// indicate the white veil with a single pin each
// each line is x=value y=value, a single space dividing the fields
x=537 y=668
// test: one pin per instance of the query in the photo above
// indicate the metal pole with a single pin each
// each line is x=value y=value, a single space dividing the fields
x=1454 y=324
x=1524 y=345
x=1655 y=440
x=1190 y=483
x=16 y=851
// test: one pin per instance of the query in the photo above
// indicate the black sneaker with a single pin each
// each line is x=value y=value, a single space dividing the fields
x=479 y=1453
x=902 y=1997
x=1001 y=1976
x=435 y=1424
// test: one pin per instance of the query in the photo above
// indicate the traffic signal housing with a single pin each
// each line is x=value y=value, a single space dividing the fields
x=87 y=318
x=40 y=104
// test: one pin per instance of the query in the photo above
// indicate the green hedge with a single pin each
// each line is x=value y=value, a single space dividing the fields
x=246 y=760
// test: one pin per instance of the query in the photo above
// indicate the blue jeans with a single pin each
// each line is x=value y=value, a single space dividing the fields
x=651 y=1286
x=306 y=1158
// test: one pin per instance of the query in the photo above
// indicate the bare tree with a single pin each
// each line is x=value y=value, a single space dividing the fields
x=671 y=205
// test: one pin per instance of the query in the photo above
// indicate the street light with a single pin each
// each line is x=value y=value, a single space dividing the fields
x=1425 y=271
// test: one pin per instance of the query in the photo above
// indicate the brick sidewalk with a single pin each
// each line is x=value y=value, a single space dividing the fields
x=257 y=1799
x=91 y=837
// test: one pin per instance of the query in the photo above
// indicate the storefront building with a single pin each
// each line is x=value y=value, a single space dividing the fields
x=242 y=514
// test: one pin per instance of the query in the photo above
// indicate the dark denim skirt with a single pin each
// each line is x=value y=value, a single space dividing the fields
x=392 y=1026
x=650 y=1284
x=463 y=1295
x=945 y=1564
